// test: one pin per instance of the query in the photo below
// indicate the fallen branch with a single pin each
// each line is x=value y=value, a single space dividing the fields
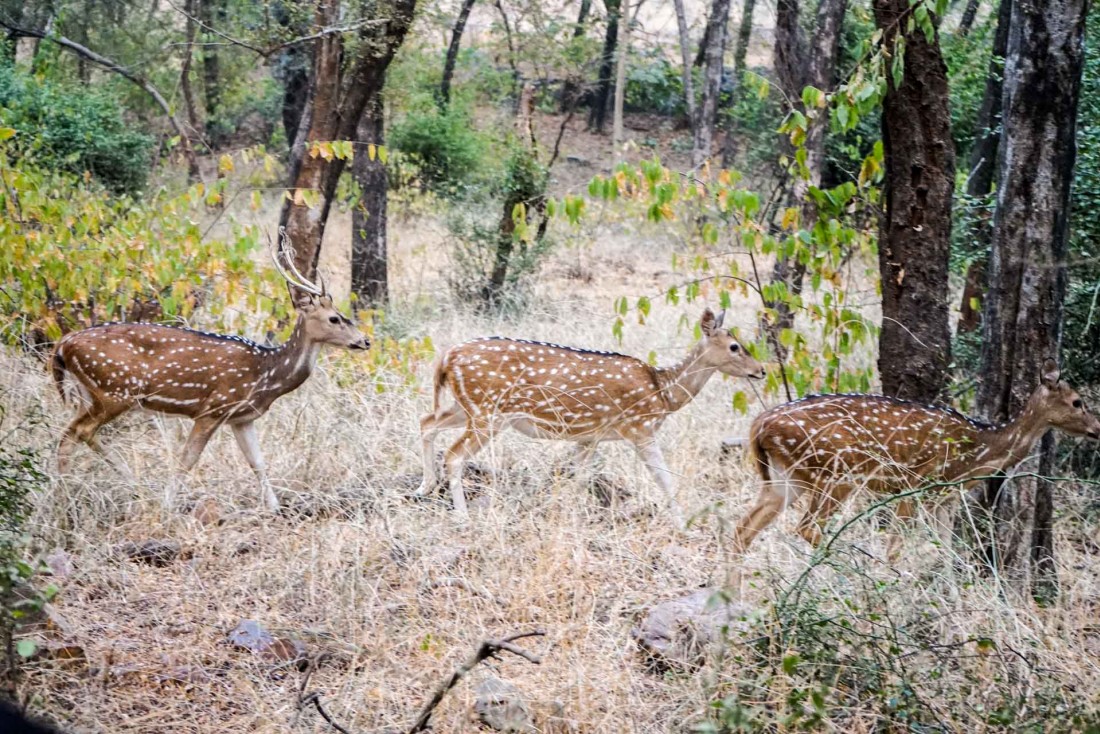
x=488 y=649
x=315 y=699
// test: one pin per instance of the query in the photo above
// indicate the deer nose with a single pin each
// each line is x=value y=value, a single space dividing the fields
x=362 y=344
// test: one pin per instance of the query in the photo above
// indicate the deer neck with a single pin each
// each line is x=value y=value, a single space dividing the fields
x=681 y=382
x=288 y=365
x=1011 y=443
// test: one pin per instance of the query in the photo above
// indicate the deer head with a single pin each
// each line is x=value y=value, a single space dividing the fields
x=1061 y=406
x=721 y=351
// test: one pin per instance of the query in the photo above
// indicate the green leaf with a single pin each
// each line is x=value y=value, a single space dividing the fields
x=741 y=402
x=790 y=662
x=6 y=132
x=26 y=648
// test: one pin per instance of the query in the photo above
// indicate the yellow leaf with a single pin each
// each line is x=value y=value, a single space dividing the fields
x=225 y=164
x=372 y=151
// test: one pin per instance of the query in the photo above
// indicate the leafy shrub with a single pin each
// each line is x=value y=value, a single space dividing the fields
x=653 y=84
x=447 y=148
x=73 y=128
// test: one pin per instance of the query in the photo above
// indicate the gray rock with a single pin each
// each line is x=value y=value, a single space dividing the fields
x=677 y=633
x=501 y=706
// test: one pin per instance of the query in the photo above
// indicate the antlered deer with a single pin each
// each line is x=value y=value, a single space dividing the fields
x=551 y=391
x=210 y=378
x=828 y=445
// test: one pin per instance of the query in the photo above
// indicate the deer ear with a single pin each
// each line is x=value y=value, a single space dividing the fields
x=708 y=323
x=721 y=317
x=1050 y=372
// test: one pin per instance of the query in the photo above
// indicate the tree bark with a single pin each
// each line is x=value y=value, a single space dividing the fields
x=185 y=68
x=1022 y=319
x=712 y=82
x=685 y=59
x=982 y=164
x=369 y=271
x=452 y=52
x=212 y=14
x=336 y=106
x=620 y=79
x=744 y=34
x=571 y=92
x=915 y=239
x=597 y=114
x=968 y=16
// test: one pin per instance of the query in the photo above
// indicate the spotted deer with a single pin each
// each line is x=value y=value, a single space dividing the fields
x=556 y=392
x=213 y=379
x=829 y=445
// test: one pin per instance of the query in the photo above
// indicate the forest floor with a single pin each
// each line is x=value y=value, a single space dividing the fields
x=398 y=593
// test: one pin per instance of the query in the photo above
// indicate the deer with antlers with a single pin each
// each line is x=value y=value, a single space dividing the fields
x=829 y=445
x=552 y=391
x=213 y=379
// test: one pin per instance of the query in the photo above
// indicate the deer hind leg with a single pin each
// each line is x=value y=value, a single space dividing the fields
x=776 y=495
x=83 y=429
x=467 y=446
x=249 y=443
x=905 y=511
x=650 y=453
x=430 y=426
x=825 y=502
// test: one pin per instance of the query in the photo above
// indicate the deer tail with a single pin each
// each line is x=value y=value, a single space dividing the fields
x=59 y=371
x=439 y=384
x=758 y=453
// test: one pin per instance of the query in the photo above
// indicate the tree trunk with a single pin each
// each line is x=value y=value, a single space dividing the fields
x=620 y=80
x=744 y=34
x=914 y=244
x=982 y=164
x=452 y=52
x=295 y=91
x=798 y=65
x=1022 y=319
x=597 y=115
x=685 y=59
x=712 y=81
x=570 y=91
x=369 y=273
x=212 y=14
x=185 y=68
x=333 y=113
x=967 y=20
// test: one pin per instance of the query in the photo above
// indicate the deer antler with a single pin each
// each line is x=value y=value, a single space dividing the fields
x=298 y=280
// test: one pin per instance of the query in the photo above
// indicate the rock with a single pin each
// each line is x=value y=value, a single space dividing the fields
x=207 y=512
x=153 y=552
x=60 y=563
x=577 y=160
x=676 y=633
x=286 y=650
x=250 y=635
x=501 y=706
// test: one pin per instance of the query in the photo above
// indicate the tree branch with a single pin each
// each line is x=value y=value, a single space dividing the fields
x=111 y=65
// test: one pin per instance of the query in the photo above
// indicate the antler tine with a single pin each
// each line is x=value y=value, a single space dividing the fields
x=299 y=281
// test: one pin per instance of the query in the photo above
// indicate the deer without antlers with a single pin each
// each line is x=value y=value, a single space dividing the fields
x=828 y=445
x=210 y=378
x=551 y=391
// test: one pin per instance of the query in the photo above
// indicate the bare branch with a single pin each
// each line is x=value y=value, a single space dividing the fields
x=488 y=649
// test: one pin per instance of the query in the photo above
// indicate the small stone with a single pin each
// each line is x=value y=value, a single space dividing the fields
x=250 y=635
x=676 y=633
x=60 y=563
x=501 y=706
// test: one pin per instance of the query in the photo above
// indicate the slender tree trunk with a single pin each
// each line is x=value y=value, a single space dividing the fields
x=685 y=59
x=452 y=52
x=1022 y=319
x=620 y=80
x=369 y=272
x=212 y=13
x=915 y=343
x=295 y=91
x=967 y=20
x=744 y=35
x=185 y=68
x=570 y=91
x=597 y=114
x=712 y=82
x=336 y=106
x=982 y=165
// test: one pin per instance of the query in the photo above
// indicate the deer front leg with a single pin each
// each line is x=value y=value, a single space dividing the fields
x=249 y=443
x=200 y=436
x=430 y=426
x=472 y=441
x=650 y=453
x=824 y=504
x=775 y=495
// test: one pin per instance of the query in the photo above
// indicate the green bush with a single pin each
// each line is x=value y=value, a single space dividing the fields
x=446 y=146
x=74 y=128
x=653 y=84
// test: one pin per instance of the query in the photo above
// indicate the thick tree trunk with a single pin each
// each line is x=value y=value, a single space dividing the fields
x=571 y=91
x=914 y=244
x=982 y=164
x=1022 y=319
x=212 y=13
x=685 y=59
x=452 y=52
x=597 y=115
x=369 y=272
x=712 y=81
x=336 y=106
x=744 y=34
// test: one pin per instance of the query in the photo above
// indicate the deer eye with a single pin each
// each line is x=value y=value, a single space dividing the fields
x=334 y=319
x=1078 y=404
x=735 y=347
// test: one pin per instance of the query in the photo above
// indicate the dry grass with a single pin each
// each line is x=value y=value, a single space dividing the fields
x=375 y=571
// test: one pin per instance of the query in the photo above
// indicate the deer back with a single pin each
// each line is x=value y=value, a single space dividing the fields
x=866 y=436
x=561 y=389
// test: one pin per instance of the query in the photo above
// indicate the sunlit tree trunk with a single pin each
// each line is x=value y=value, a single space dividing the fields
x=714 y=55
x=597 y=114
